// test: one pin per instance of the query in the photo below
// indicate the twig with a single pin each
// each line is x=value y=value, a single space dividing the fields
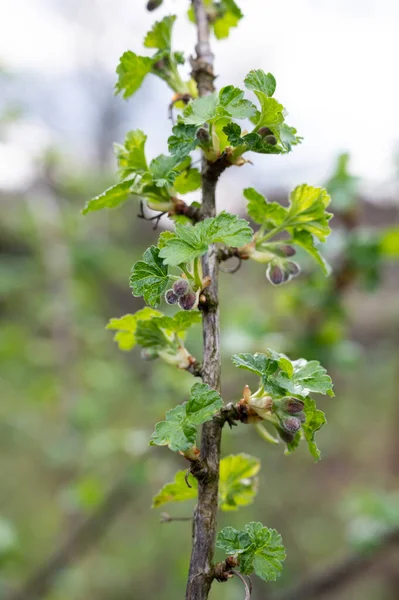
x=166 y=518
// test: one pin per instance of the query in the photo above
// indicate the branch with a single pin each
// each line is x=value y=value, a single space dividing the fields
x=77 y=544
x=339 y=574
x=201 y=572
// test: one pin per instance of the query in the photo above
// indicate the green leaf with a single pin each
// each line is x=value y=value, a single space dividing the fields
x=201 y=110
x=180 y=322
x=164 y=237
x=258 y=81
x=232 y=102
x=131 y=71
x=307 y=211
x=229 y=17
x=112 y=197
x=179 y=430
x=184 y=140
x=163 y=170
x=187 y=181
x=126 y=327
x=282 y=377
x=315 y=419
x=177 y=491
x=149 y=277
x=131 y=154
x=306 y=241
x=250 y=142
x=268 y=214
x=237 y=483
x=160 y=35
x=258 y=548
x=190 y=241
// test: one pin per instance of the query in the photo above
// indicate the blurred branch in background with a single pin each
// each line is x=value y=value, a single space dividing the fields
x=331 y=579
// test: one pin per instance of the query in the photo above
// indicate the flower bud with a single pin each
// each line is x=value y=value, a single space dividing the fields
x=271 y=140
x=203 y=135
x=292 y=268
x=291 y=424
x=287 y=250
x=188 y=301
x=301 y=416
x=275 y=274
x=171 y=297
x=153 y=4
x=286 y=436
x=264 y=131
x=292 y=406
x=181 y=287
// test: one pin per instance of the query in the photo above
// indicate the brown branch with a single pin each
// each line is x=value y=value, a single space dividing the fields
x=340 y=574
x=77 y=544
x=201 y=572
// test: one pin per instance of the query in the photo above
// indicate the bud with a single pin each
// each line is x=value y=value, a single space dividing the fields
x=153 y=4
x=203 y=135
x=149 y=354
x=275 y=274
x=292 y=406
x=171 y=297
x=264 y=131
x=188 y=301
x=301 y=416
x=181 y=287
x=291 y=424
x=286 y=436
x=271 y=140
x=287 y=250
x=292 y=268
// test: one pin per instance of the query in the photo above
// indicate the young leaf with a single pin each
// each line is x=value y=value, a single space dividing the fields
x=132 y=70
x=160 y=35
x=190 y=241
x=307 y=211
x=179 y=323
x=201 y=110
x=149 y=277
x=163 y=170
x=126 y=327
x=258 y=81
x=237 y=483
x=179 y=430
x=150 y=335
x=232 y=102
x=268 y=214
x=229 y=17
x=112 y=197
x=183 y=141
x=177 y=490
x=258 y=549
x=187 y=181
x=282 y=377
x=250 y=142
x=315 y=419
x=131 y=154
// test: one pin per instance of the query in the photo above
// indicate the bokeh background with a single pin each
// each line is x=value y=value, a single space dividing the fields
x=76 y=413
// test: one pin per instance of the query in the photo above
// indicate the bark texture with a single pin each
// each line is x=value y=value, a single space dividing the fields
x=201 y=571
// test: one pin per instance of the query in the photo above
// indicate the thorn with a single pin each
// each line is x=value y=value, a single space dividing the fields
x=166 y=518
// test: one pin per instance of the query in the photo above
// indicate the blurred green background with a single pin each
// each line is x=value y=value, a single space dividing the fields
x=76 y=413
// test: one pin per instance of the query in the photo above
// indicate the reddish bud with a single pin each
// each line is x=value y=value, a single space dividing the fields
x=153 y=4
x=263 y=131
x=181 y=287
x=171 y=297
x=287 y=250
x=292 y=405
x=275 y=274
x=292 y=268
x=291 y=424
x=188 y=301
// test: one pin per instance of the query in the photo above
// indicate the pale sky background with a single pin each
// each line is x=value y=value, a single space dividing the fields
x=335 y=62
